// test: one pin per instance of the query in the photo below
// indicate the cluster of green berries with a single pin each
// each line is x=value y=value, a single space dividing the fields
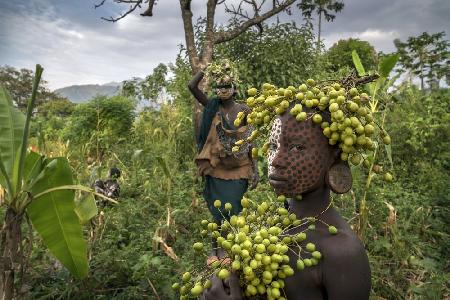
x=352 y=127
x=222 y=72
x=256 y=243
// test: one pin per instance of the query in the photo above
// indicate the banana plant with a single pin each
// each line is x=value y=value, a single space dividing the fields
x=39 y=188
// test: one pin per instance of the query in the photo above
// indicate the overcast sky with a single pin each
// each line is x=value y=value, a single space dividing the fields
x=72 y=43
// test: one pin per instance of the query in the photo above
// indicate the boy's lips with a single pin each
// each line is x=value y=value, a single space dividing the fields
x=277 y=181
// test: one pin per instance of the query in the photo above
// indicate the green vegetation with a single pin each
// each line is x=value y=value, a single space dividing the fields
x=139 y=247
x=37 y=189
x=340 y=54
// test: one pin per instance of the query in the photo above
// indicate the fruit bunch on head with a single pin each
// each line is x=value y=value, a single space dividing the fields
x=340 y=110
x=222 y=73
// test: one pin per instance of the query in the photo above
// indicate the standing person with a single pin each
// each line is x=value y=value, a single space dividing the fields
x=226 y=173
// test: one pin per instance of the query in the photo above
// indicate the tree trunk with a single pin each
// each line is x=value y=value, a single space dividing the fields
x=11 y=238
x=320 y=29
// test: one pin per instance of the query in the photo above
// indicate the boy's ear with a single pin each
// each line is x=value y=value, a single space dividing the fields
x=339 y=177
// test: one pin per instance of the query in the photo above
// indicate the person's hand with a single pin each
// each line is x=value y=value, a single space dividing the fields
x=255 y=180
x=229 y=289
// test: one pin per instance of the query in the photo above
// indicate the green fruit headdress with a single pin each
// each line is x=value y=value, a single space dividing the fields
x=352 y=126
x=222 y=72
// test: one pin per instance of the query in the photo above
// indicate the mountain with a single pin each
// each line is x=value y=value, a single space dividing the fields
x=85 y=92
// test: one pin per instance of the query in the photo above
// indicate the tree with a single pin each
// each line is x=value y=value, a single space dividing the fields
x=61 y=107
x=261 y=58
x=50 y=120
x=426 y=56
x=325 y=7
x=101 y=122
x=150 y=88
x=20 y=83
x=244 y=14
x=340 y=54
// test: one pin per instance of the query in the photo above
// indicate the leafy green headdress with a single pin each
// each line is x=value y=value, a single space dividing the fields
x=222 y=72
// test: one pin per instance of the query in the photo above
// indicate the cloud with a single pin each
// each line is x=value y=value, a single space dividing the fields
x=383 y=39
x=76 y=47
x=73 y=53
x=381 y=21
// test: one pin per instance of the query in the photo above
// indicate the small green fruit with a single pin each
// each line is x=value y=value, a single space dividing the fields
x=198 y=246
x=186 y=277
x=223 y=274
x=310 y=247
x=332 y=230
x=388 y=177
x=197 y=289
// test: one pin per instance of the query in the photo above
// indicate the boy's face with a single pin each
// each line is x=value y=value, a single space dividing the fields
x=225 y=92
x=299 y=156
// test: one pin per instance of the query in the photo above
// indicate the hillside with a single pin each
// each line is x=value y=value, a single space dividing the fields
x=82 y=93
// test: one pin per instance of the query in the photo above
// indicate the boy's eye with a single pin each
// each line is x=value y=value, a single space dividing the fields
x=296 y=148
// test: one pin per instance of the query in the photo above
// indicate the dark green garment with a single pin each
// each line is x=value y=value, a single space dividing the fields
x=209 y=112
x=230 y=191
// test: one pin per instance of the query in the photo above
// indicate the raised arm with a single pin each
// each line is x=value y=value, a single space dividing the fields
x=193 y=87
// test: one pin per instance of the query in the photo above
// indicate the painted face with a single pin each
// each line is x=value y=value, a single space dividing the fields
x=299 y=156
x=225 y=93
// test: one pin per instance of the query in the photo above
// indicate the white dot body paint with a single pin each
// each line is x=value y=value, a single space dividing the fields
x=275 y=143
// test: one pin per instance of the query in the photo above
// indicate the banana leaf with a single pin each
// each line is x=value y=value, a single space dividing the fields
x=54 y=218
x=86 y=208
x=12 y=123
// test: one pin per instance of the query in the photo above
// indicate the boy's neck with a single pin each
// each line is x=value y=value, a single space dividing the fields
x=227 y=104
x=312 y=204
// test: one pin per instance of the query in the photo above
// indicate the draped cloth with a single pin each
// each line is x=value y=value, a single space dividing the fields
x=226 y=174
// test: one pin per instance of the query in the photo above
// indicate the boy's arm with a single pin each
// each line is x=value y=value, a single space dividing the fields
x=193 y=87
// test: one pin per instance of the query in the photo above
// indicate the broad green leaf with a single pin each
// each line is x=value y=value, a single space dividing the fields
x=19 y=164
x=53 y=216
x=358 y=65
x=387 y=64
x=33 y=166
x=4 y=180
x=85 y=208
x=12 y=123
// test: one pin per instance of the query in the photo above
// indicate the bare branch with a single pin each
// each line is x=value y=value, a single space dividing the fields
x=225 y=36
x=130 y=10
x=238 y=11
x=100 y=4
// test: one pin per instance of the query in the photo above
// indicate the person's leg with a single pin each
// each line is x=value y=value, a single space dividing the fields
x=227 y=191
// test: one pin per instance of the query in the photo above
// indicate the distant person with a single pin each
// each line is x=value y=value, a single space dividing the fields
x=109 y=187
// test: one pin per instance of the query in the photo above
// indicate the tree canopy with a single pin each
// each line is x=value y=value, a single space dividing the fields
x=340 y=54
x=19 y=83
x=261 y=58
x=426 y=56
